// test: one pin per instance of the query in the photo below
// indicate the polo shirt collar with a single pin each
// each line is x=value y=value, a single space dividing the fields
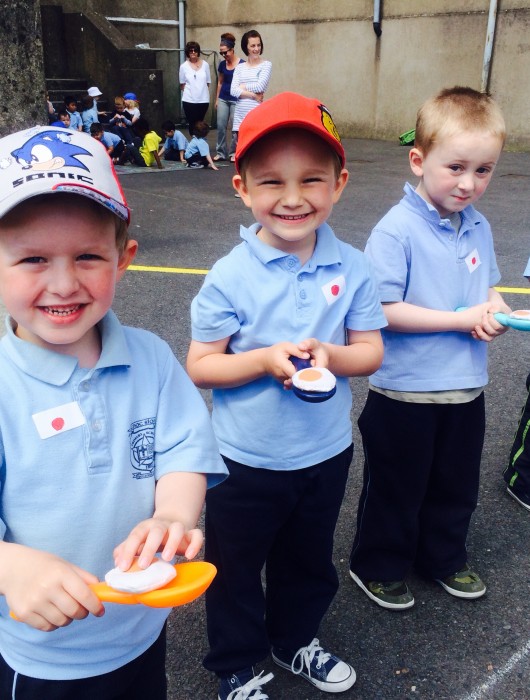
x=416 y=201
x=327 y=251
x=56 y=368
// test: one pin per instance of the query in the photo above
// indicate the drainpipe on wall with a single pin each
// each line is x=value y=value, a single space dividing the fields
x=488 y=49
x=182 y=27
x=377 y=18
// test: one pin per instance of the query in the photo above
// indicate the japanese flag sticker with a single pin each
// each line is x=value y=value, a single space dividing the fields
x=335 y=289
x=58 y=420
x=473 y=260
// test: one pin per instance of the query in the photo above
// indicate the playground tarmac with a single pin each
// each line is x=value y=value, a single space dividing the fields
x=442 y=648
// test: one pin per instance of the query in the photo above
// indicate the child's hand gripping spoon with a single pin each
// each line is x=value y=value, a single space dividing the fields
x=191 y=580
x=520 y=320
x=312 y=384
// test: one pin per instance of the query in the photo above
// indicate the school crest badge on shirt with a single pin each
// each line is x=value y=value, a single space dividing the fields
x=473 y=260
x=335 y=289
x=58 y=420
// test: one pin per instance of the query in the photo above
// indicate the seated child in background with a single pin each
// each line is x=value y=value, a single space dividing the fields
x=133 y=108
x=95 y=93
x=424 y=420
x=147 y=153
x=63 y=119
x=113 y=423
x=197 y=154
x=112 y=142
x=175 y=144
x=291 y=288
x=76 y=123
x=517 y=473
x=121 y=121
x=89 y=113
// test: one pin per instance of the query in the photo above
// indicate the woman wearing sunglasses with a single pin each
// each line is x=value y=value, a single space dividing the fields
x=225 y=104
x=194 y=79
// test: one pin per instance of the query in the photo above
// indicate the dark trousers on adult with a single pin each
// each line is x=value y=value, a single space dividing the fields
x=141 y=679
x=421 y=478
x=195 y=112
x=517 y=473
x=285 y=521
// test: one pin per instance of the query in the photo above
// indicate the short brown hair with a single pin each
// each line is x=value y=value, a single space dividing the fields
x=457 y=109
x=192 y=46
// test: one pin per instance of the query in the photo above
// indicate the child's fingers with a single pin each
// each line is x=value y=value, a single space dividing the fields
x=173 y=544
x=125 y=552
x=196 y=540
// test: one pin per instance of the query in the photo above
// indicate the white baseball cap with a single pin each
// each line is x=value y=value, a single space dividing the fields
x=47 y=159
x=94 y=91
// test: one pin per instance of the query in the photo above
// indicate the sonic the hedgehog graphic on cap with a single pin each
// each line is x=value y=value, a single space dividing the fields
x=49 y=150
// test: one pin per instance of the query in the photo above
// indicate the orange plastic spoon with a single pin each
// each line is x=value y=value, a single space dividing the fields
x=192 y=579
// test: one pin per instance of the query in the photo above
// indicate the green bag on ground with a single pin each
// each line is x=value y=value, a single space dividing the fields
x=407 y=139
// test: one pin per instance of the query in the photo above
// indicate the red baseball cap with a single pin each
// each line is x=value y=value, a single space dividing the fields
x=288 y=109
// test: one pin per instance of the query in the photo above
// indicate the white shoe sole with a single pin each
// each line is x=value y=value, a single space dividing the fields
x=461 y=594
x=521 y=503
x=381 y=603
x=326 y=686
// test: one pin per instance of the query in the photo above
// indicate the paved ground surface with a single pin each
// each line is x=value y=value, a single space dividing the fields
x=442 y=649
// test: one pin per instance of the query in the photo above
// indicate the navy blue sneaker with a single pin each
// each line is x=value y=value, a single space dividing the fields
x=322 y=669
x=243 y=685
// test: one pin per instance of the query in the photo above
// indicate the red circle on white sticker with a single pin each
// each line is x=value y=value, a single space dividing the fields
x=335 y=289
x=58 y=423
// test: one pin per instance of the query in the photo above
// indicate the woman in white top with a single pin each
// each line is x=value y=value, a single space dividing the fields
x=194 y=79
x=250 y=79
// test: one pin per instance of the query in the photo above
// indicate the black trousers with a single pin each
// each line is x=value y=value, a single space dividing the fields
x=284 y=521
x=141 y=679
x=420 y=487
x=195 y=112
x=517 y=473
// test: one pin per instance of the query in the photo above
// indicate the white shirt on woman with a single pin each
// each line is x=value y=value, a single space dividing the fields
x=196 y=82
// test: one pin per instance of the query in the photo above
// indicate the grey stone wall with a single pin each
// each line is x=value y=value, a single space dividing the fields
x=22 y=86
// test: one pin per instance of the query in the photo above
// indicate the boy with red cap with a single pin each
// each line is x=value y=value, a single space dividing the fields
x=290 y=290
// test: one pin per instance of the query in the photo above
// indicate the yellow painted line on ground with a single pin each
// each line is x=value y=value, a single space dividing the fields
x=198 y=271
x=170 y=270
x=513 y=290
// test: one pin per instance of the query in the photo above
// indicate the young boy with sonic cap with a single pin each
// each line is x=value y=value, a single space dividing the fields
x=424 y=419
x=291 y=288
x=105 y=444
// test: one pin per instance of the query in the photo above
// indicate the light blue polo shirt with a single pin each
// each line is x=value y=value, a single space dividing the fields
x=419 y=258
x=110 y=139
x=179 y=142
x=79 y=492
x=258 y=295
x=75 y=121
x=197 y=145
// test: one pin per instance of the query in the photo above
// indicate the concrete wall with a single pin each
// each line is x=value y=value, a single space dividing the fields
x=329 y=49
x=374 y=86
